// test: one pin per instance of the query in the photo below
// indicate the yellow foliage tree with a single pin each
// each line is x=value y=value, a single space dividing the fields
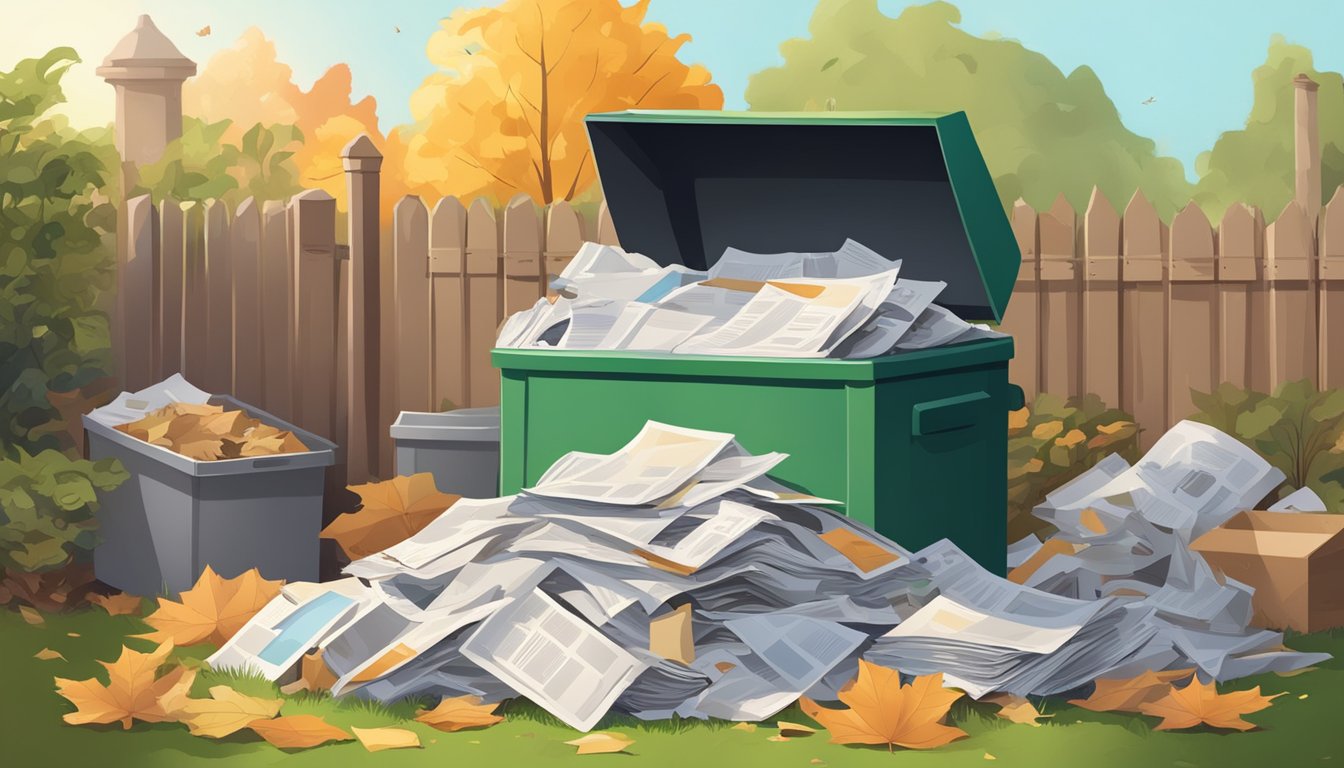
x=505 y=113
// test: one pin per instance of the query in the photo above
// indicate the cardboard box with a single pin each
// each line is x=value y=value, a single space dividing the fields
x=1295 y=561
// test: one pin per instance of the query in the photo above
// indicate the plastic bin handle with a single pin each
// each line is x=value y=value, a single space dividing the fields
x=950 y=413
x=273 y=461
x=1017 y=399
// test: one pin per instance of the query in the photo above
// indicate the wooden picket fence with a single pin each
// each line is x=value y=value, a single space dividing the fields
x=1139 y=312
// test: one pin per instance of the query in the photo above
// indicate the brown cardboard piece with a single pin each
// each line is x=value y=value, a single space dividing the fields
x=1294 y=560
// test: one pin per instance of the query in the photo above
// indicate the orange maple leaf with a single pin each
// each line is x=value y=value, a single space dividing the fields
x=1199 y=703
x=314 y=675
x=459 y=713
x=391 y=511
x=882 y=711
x=133 y=690
x=1127 y=695
x=117 y=605
x=212 y=610
x=298 y=731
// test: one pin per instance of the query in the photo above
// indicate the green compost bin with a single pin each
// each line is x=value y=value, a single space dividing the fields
x=914 y=444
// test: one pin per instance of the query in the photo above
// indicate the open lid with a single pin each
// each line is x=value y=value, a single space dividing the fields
x=684 y=185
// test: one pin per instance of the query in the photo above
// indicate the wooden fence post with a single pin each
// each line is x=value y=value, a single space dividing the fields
x=564 y=236
x=362 y=162
x=483 y=302
x=448 y=276
x=1061 y=305
x=523 y=268
x=1023 y=319
x=1101 y=300
x=1331 y=273
x=415 y=349
x=276 y=309
x=137 y=300
x=315 y=287
x=169 y=330
x=1192 y=333
x=248 y=366
x=1144 y=335
x=219 y=279
x=195 y=295
x=1292 y=296
x=1240 y=251
x=606 y=229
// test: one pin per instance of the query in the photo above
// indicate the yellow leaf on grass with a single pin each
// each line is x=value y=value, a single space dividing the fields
x=31 y=616
x=117 y=605
x=314 y=675
x=212 y=610
x=748 y=727
x=459 y=713
x=378 y=739
x=226 y=711
x=600 y=743
x=1016 y=709
x=1199 y=703
x=46 y=654
x=790 y=730
x=1127 y=695
x=298 y=731
x=390 y=512
x=132 y=690
x=882 y=711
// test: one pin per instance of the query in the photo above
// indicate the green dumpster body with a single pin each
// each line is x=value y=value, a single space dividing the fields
x=914 y=443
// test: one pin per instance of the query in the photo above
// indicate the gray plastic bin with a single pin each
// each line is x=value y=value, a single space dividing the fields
x=460 y=448
x=174 y=516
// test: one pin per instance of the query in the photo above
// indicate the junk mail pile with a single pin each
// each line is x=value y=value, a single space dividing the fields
x=674 y=577
x=847 y=304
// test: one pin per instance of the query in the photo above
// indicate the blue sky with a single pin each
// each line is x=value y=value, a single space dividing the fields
x=1194 y=56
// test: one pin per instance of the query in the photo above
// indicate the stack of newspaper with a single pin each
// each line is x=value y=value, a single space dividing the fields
x=849 y=303
x=674 y=577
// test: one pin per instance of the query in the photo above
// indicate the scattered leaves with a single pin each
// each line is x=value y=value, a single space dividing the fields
x=203 y=31
x=1016 y=709
x=49 y=591
x=748 y=727
x=46 y=654
x=1129 y=694
x=390 y=512
x=1198 y=703
x=459 y=713
x=31 y=616
x=212 y=610
x=132 y=691
x=599 y=743
x=226 y=711
x=120 y=604
x=882 y=711
x=209 y=433
x=791 y=730
x=378 y=739
x=298 y=731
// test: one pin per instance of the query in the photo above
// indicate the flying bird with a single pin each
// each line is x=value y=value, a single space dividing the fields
x=397 y=30
x=203 y=31
x=1149 y=100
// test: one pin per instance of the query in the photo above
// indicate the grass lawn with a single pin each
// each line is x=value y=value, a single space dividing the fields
x=1303 y=727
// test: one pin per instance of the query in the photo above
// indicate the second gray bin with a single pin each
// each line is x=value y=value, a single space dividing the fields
x=460 y=448
x=174 y=516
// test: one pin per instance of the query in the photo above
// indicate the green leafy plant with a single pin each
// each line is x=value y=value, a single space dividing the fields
x=202 y=165
x=1298 y=429
x=1051 y=441
x=47 y=503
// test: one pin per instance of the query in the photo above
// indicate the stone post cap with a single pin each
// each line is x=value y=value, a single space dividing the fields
x=361 y=156
x=146 y=54
x=1304 y=82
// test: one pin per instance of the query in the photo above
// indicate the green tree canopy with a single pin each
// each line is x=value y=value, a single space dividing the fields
x=1254 y=165
x=1042 y=133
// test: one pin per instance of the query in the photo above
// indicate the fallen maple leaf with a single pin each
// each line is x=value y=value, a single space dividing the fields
x=298 y=731
x=1199 y=703
x=459 y=713
x=314 y=675
x=748 y=727
x=46 y=654
x=391 y=511
x=132 y=691
x=1129 y=694
x=226 y=711
x=120 y=604
x=212 y=610
x=790 y=730
x=1016 y=709
x=882 y=711
x=600 y=743
x=378 y=739
x=31 y=616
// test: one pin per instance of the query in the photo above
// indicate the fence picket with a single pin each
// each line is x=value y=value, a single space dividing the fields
x=1330 y=271
x=168 y=344
x=219 y=302
x=1101 y=299
x=414 y=351
x=483 y=302
x=195 y=295
x=1144 y=355
x=1061 y=300
x=523 y=267
x=1192 y=336
x=138 y=297
x=563 y=237
x=314 y=257
x=1023 y=318
x=274 y=310
x=1240 y=248
x=448 y=275
x=248 y=368
x=1292 y=296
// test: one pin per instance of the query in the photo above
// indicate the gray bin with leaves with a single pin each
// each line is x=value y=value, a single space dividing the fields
x=460 y=448
x=175 y=515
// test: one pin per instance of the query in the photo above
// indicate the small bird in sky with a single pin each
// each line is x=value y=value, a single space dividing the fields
x=1149 y=100
x=203 y=31
x=397 y=30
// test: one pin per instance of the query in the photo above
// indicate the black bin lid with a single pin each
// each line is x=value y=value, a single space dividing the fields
x=684 y=185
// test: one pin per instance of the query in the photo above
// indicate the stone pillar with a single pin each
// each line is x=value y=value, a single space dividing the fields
x=1306 y=148
x=147 y=71
x=362 y=162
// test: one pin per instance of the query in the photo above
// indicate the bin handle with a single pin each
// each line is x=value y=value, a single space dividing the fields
x=271 y=461
x=1017 y=399
x=949 y=413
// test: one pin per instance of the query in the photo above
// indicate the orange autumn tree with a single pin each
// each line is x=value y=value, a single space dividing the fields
x=505 y=114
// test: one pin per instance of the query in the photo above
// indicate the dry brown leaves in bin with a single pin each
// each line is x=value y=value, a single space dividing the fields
x=207 y=432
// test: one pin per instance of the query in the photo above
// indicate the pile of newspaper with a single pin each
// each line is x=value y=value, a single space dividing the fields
x=849 y=304
x=674 y=577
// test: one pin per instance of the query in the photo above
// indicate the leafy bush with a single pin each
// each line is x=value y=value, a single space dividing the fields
x=202 y=164
x=1050 y=442
x=48 y=502
x=1298 y=429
